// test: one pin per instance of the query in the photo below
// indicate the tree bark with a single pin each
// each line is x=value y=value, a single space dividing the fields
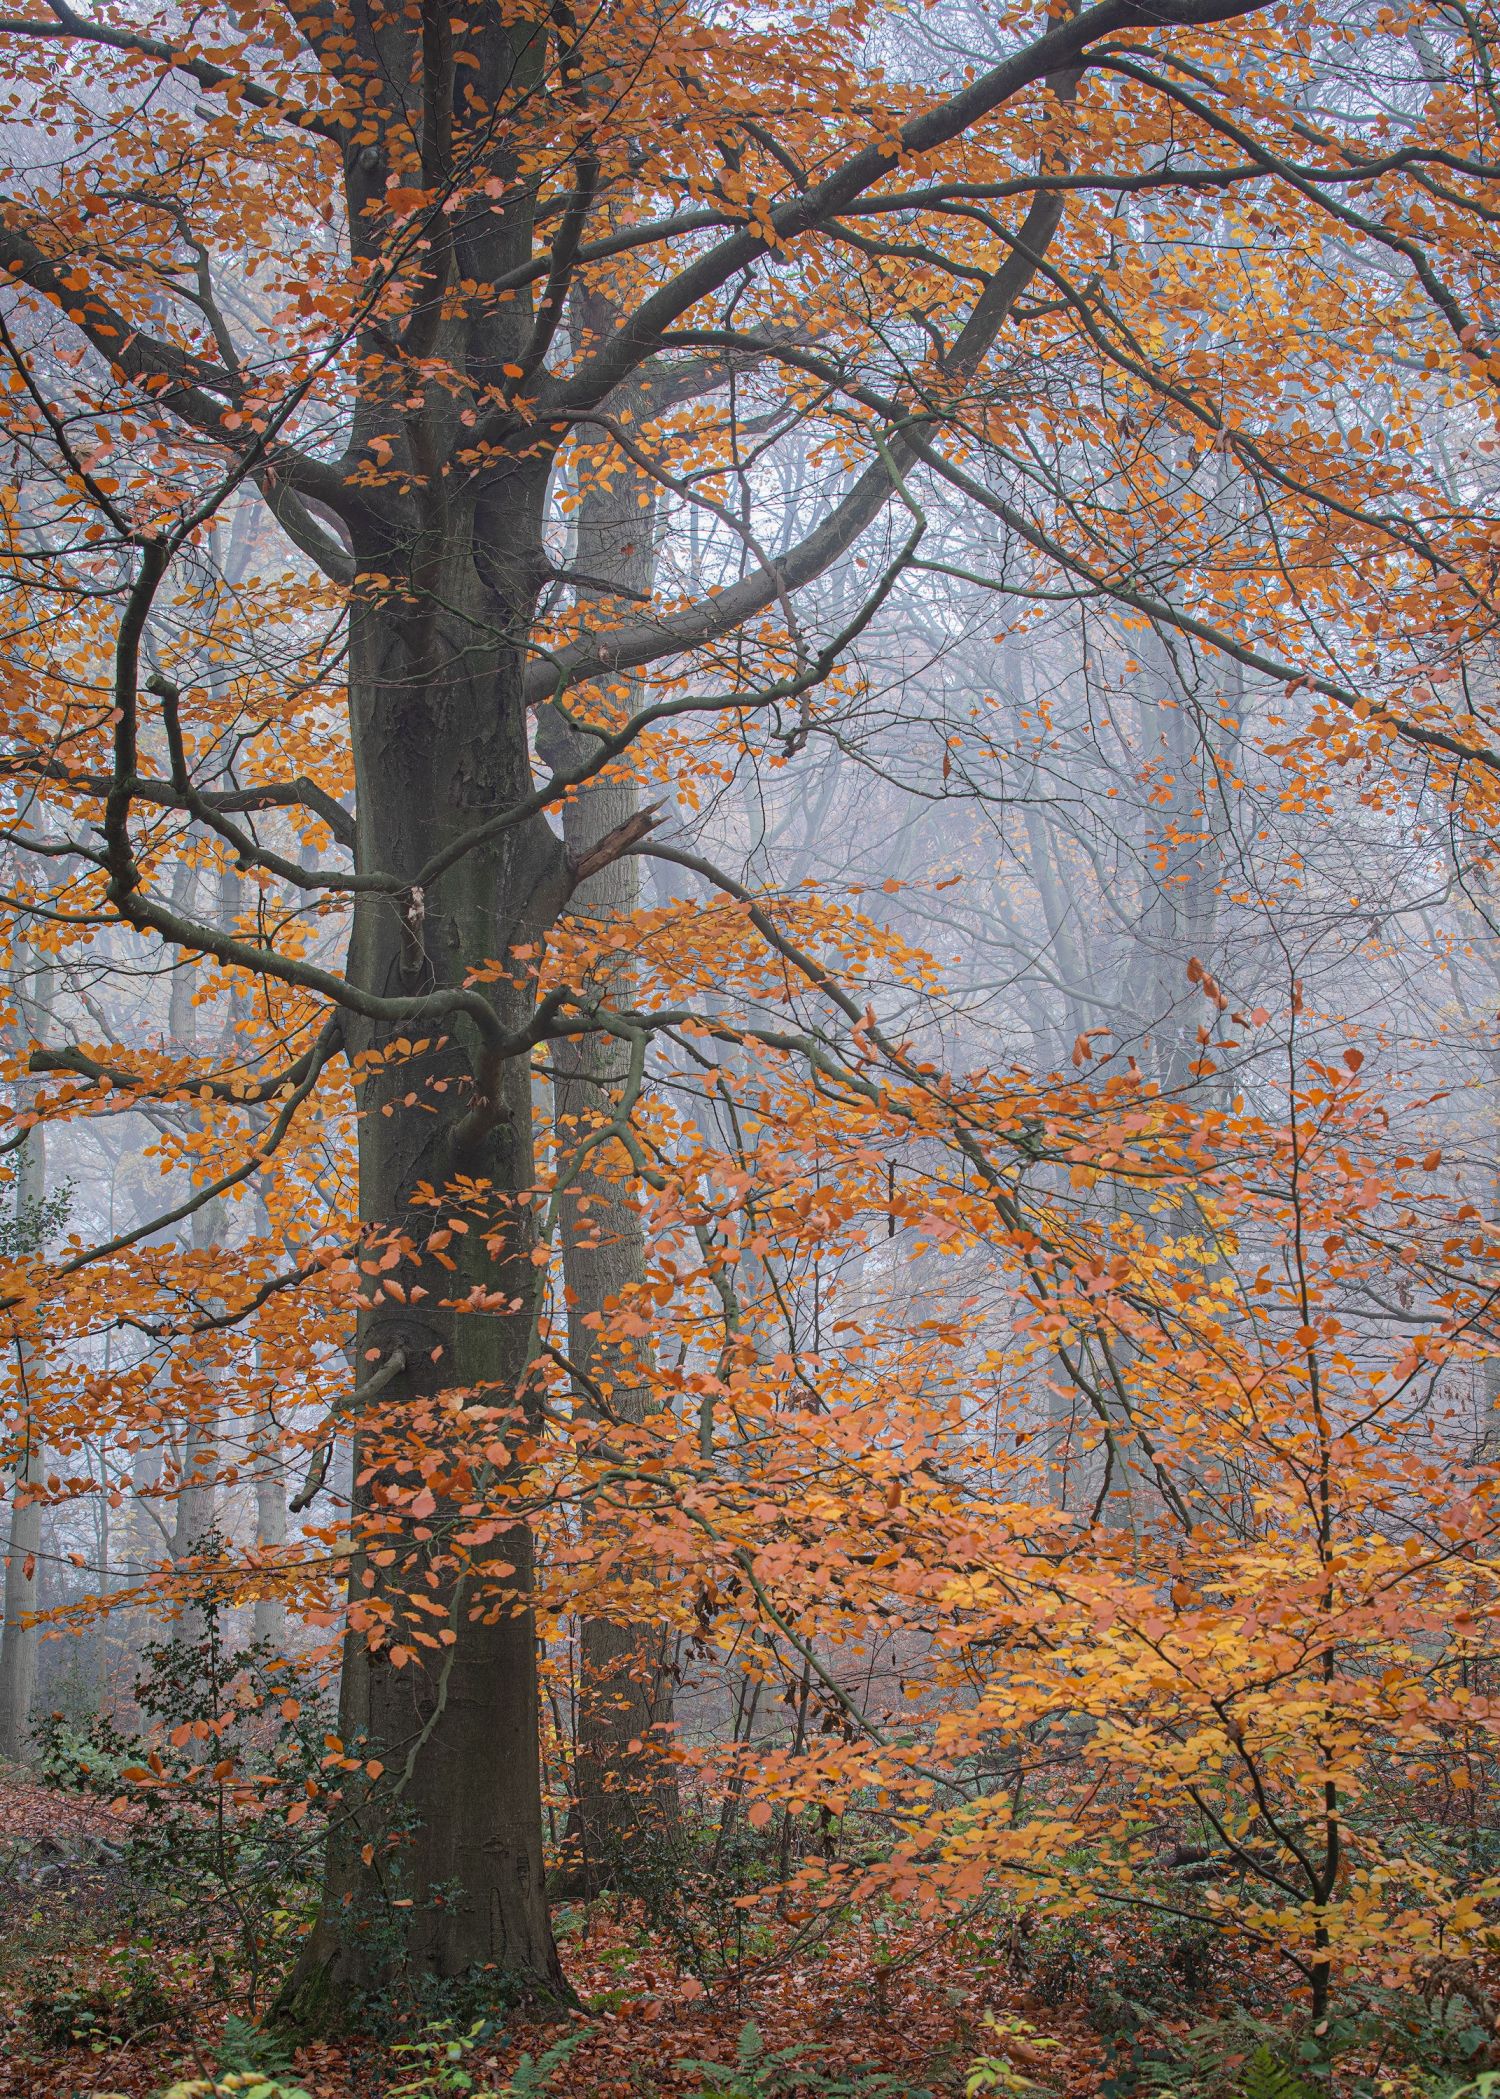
x=268 y=1622
x=18 y=1642
x=624 y=1791
x=440 y=1869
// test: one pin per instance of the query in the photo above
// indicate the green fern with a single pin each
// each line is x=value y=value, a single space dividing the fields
x=246 y=2047
x=1265 y=2078
x=759 y=2072
x=533 y=2076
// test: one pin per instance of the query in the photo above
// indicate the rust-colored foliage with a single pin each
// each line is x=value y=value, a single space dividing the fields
x=1069 y=1445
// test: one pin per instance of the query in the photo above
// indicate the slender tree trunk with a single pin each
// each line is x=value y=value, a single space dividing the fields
x=624 y=1792
x=1184 y=846
x=18 y=1642
x=194 y=1508
x=197 y=1487
x=269 y=1620
x=104 y=1537
x=19 y=1639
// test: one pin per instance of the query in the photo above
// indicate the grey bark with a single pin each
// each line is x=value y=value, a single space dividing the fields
x=440 y=742
x=18 y=1642
x=195 y=1502
x=269 y=1616
x=268 y=1622
x=624 y=1792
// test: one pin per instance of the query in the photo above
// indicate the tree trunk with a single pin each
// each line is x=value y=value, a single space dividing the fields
x=268 y=1620
x=268 y=1625
x=439 y=1869
x=18 y=1639
x=18 y=1642
x=194 y=1509
x=624 y=1792
x=1183 y=847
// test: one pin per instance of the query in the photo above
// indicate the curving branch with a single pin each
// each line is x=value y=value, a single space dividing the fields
x=199 y=390
x=1055 y=55
x=67 y=24
x=329 y=1042
x=647 y=641
x=233 y=1092
x=300 y=793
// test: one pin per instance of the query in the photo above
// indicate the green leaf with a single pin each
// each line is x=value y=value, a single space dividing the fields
x=1265 y=2078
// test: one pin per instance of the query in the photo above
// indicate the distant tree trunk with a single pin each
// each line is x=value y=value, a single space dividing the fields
x=269 y=1623
x=104 y=1546
x=18 y=1641
x=194 y=1510
x=624 y=1793
x=1484 y=945
x=1185 y=843
x=18 y=1645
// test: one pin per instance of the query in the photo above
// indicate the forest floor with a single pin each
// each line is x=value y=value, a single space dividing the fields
x=93 y=2004
x=88 y=2006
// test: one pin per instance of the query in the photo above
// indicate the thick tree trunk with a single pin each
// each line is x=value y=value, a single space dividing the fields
x=436 y=1868
x=624 y=1791
x=439 y=1870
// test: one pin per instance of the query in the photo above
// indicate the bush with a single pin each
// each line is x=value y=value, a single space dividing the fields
x=86 y=1756
x=124 y=2007
x=439 y=2063
x=226 y=1855
x=692 y=1883
x=1130 y=1972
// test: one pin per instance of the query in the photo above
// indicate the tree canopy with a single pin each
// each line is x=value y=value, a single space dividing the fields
x=748 y=795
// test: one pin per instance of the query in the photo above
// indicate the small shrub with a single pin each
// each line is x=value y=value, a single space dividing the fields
x=1132 y=1974
x=226 y=1854
x=87 y=1756
x=997 y=2073
x=692 y=1883
x=121 y=2008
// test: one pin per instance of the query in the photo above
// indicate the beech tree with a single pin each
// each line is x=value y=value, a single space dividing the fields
x=422 y=283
